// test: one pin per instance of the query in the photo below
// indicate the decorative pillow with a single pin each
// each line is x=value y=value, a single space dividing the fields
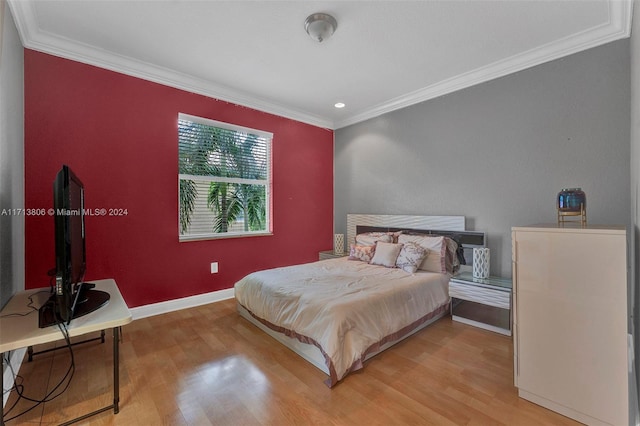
x=371 y=238
x=363 y=253
x=410 y=257
x=436 y=248
x=386 y=254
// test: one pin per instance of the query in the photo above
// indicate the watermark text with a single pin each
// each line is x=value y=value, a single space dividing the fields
x=65 y=212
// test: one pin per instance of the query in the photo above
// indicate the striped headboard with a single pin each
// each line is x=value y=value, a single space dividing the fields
x=449 y=226
x=444 y=223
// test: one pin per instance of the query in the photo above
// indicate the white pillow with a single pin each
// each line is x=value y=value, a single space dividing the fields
x=371 y=238
x=411 y=257
x=435 y=247
x=386 y=254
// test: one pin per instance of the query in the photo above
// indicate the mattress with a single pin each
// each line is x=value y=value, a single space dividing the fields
x=347 y=309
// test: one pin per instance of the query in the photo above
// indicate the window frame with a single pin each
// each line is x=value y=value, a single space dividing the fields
x=268 y=182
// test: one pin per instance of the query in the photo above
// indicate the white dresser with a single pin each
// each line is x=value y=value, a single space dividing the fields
x=570 y=320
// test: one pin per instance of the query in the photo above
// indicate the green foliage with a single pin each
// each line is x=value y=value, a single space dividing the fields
x=210 y=151
x=188 y=194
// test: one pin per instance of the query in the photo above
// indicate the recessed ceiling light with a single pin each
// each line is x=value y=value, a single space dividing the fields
x=339 y=105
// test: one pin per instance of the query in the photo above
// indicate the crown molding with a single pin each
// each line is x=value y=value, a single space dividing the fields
x=35 y=39
x=617 y=27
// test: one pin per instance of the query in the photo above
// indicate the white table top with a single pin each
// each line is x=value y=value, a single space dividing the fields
x=21 y=331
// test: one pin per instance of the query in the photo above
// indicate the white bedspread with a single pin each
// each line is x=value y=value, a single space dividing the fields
x=344 y=307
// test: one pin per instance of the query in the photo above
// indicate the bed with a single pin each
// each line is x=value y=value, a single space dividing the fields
x=337 y=313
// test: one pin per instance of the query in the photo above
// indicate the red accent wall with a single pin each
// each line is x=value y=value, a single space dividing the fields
x=119 y=135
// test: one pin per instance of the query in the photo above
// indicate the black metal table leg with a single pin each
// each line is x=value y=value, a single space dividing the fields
x=2 y=386
x=31 y=353
x=116 y=382
x=116 y=370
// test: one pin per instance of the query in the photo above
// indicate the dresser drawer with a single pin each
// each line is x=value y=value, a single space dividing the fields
x=486 y=296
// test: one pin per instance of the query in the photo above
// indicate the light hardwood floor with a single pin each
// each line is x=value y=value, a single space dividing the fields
x=207 y=365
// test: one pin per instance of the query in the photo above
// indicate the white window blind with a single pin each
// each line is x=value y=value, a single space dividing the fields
x=224 y=179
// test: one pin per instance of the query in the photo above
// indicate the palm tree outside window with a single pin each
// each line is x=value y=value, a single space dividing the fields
x=224 y=178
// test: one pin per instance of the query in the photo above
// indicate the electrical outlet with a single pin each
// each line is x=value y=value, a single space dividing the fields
x=214 y=267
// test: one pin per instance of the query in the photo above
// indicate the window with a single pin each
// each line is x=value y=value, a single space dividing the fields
x=224 y=178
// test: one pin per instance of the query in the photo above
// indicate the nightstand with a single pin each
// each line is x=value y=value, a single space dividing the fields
x=330 y=254
x=484 y=303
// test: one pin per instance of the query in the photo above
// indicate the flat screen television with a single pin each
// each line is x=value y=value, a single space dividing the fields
x=71 y=297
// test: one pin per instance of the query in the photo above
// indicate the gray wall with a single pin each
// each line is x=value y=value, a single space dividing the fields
x=11 y=157
x=499 y=152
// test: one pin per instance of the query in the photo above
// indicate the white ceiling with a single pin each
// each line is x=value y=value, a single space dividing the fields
x=384 y=55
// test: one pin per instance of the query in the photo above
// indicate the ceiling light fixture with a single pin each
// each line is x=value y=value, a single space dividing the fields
x=339 y=105
x=320 y=26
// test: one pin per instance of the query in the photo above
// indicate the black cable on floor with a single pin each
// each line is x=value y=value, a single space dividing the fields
x=19 y=388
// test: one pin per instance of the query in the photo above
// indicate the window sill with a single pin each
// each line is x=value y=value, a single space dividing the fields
x=226 y=235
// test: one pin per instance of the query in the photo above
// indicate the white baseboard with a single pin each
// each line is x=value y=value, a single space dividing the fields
x=8 y=378
x=183 y=303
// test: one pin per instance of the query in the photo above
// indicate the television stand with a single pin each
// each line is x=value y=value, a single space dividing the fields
x=86 y=301
x=19 y=331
